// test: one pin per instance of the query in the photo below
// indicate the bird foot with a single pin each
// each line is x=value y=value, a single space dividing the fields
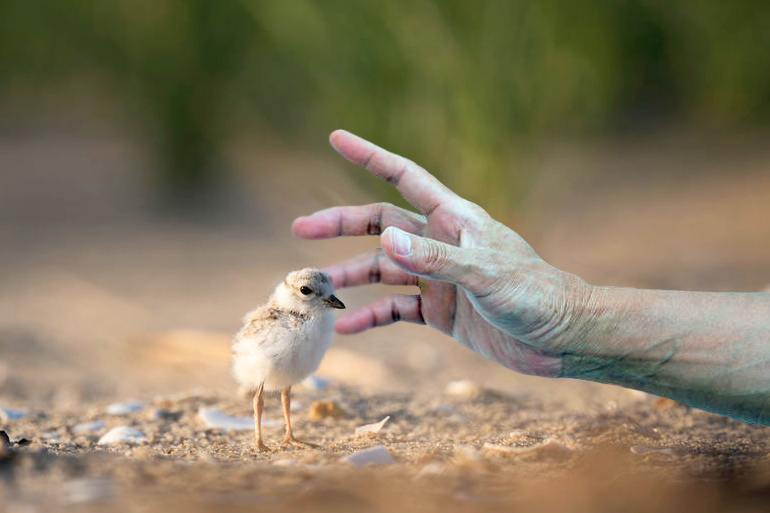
x=291 y=441
x=261 y=447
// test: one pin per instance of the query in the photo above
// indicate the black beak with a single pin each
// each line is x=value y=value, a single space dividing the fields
x=333 y=302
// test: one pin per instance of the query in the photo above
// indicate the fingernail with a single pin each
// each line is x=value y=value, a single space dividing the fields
x=402 y=243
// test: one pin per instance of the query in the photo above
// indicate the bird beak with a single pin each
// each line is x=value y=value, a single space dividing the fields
x=333 y=302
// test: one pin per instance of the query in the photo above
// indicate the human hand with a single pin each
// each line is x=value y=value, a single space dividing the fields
x=479 y=281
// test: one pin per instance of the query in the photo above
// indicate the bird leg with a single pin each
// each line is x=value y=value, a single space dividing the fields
x=259 y=404
x=289 y=438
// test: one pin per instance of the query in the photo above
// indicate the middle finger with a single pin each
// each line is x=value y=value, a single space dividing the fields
x=371 y=267
x=354 y=221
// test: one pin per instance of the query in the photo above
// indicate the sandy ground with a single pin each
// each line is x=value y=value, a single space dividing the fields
x=103 y=299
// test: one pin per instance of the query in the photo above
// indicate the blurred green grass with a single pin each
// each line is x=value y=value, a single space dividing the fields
x=457 y=86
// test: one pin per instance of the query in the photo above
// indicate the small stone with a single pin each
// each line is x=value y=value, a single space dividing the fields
x=88 y=427
x=123 y=435
x=377 y=455
x=372 y=429
x=463 y=389
x=124 y=408
x=320 y=410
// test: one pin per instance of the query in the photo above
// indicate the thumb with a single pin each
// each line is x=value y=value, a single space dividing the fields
x=426 y=257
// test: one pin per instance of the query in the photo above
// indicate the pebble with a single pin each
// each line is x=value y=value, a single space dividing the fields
x=372 y=429
x=377 y=455
x=123 y=435
x=320 y=410
x=10 y=415
x=88 y=427
x=124 y=408
x=214 y=418
x=463 y=389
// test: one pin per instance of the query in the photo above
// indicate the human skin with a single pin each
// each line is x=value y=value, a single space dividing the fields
x=483 y=285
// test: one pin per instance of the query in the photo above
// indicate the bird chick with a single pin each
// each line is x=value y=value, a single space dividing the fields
x=283 y=341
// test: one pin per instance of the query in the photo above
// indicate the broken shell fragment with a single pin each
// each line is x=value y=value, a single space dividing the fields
x=372 y=429
x=123 y=435
x=88 y=427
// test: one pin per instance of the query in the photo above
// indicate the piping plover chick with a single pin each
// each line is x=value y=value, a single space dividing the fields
x=282 y=342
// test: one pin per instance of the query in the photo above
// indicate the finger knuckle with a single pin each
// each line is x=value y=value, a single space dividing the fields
x=433 y=258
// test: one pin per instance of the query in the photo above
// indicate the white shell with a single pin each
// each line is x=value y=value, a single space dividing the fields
x=124 y=408
x=214 y=418
x=377 y=455
x=88 y=427
x=371 y=429
x=123 y=435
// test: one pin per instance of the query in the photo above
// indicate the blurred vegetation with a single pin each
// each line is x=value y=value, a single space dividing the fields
x=455 y=85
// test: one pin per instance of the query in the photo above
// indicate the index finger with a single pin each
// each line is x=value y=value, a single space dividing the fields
x=415 y=184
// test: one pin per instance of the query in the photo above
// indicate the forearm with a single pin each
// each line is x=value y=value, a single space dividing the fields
x=708 y=350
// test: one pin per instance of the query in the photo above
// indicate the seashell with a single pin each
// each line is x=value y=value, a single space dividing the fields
x=124 y=408
x=214 y=418
x=88 y=427
x=377 y=455
x=371 y=429
x=123 y=435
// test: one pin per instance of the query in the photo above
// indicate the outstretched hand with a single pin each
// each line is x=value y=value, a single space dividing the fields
x=479 y=281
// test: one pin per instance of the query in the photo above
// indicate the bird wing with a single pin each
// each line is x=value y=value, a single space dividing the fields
x=256 y=320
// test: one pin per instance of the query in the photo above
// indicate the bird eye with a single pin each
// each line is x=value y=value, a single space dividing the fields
x=306 y=290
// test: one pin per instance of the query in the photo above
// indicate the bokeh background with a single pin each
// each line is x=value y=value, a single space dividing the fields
x=154 y=153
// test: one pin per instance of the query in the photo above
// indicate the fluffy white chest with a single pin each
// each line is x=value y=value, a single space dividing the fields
x=281 y=350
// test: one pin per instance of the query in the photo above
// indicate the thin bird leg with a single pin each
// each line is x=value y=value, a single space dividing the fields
x=286 y=402
x=289 y=438
x=259 y=404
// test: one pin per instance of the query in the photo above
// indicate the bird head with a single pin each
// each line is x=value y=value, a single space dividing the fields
x=307 y=291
